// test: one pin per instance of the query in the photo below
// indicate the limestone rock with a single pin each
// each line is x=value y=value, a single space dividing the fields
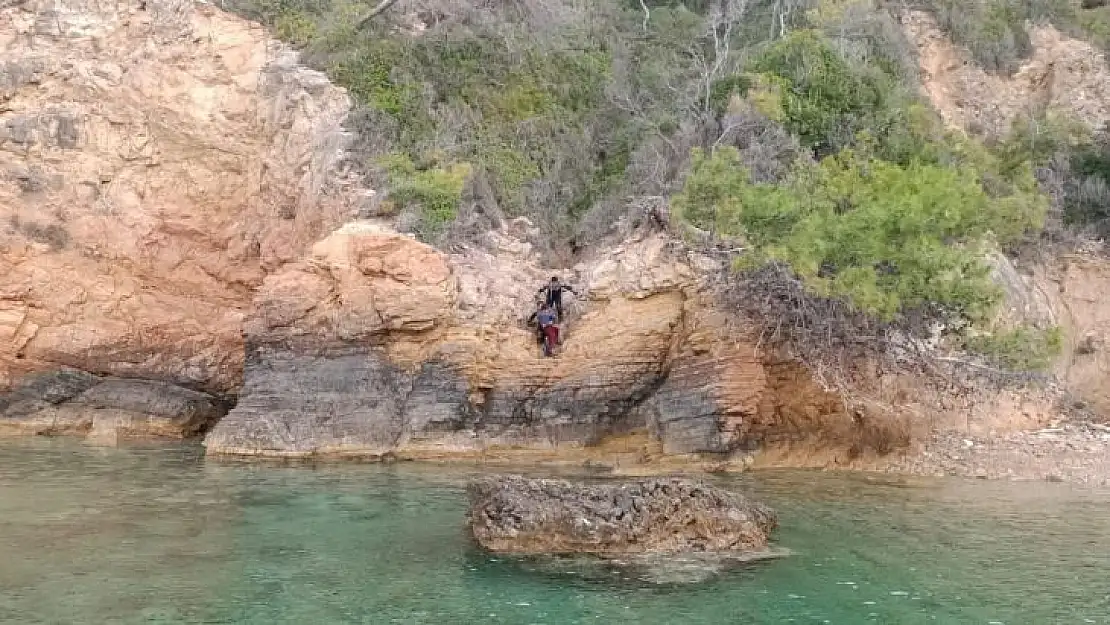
x=527 y=516
x=357 y=282
x=158 y=163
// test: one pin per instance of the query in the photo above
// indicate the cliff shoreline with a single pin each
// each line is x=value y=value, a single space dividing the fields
x=184 y=254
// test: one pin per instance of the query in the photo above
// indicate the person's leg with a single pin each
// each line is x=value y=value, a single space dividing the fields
x=552 y=339
x=559 y=310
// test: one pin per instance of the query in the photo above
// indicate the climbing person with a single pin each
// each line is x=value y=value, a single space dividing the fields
x=547 y=330
x=553 y=295
x=534 y=318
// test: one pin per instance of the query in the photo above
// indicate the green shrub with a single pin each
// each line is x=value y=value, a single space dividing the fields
x=1087 y=189
x=883 y=237
x=510 y=170
x=295 y=27
x=1094 y=26
x=723 y=90
x=826 y=99
x=369 y=76
x=1037 y=139
x=435 y=191
x=1074 y=163
x=1020 y=349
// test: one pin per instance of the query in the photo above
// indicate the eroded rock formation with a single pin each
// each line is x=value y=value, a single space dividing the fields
x=157 y=159
x=1064 y=74
x=512 y=514
x=378 y=344
x=69 y=401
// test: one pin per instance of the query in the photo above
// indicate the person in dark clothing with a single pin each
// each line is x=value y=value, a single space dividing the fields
x=553 y=295
x=543 y=316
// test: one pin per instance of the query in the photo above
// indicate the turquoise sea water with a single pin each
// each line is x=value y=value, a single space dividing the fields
x=160 y=535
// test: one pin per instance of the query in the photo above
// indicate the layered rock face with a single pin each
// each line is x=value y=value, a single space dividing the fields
x=377 y=344
x=69 y=401
x=156 y=161
x=517 y=515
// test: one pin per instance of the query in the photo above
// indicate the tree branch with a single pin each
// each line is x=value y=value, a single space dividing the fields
x=382 y=7
x=647 y=14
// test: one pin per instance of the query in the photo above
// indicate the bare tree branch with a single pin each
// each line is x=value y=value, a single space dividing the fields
x=382 y=7
x=723 y=17
x=647 y=14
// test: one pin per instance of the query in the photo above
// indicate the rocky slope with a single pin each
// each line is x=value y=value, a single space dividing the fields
x=1063 y=74
x=1067 y=76
x=159 y=158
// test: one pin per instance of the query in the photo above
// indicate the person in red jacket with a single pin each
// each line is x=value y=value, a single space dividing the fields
x=551 y=334
x=547 y=329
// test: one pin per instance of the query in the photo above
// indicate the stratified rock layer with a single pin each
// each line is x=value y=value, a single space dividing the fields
x=70 y=401
x=513 y=514
x=377 y=344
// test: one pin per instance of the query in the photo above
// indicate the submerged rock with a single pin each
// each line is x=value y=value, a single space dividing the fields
x=513 y=514
x=650 y=569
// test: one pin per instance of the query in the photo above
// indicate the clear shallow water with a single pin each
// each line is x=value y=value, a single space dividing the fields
x=160 y=535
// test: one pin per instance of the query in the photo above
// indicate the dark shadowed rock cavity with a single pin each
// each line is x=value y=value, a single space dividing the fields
x=68 y=401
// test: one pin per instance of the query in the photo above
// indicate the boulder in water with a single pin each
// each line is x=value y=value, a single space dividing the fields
x=513 y=514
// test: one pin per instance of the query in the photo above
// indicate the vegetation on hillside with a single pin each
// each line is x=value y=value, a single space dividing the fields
x=791 y=127
x=995 y=30
x=559 y=109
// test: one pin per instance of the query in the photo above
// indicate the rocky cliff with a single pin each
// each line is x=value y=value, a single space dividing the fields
x=377 y=344
x=158 y=159
x=178 y=235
